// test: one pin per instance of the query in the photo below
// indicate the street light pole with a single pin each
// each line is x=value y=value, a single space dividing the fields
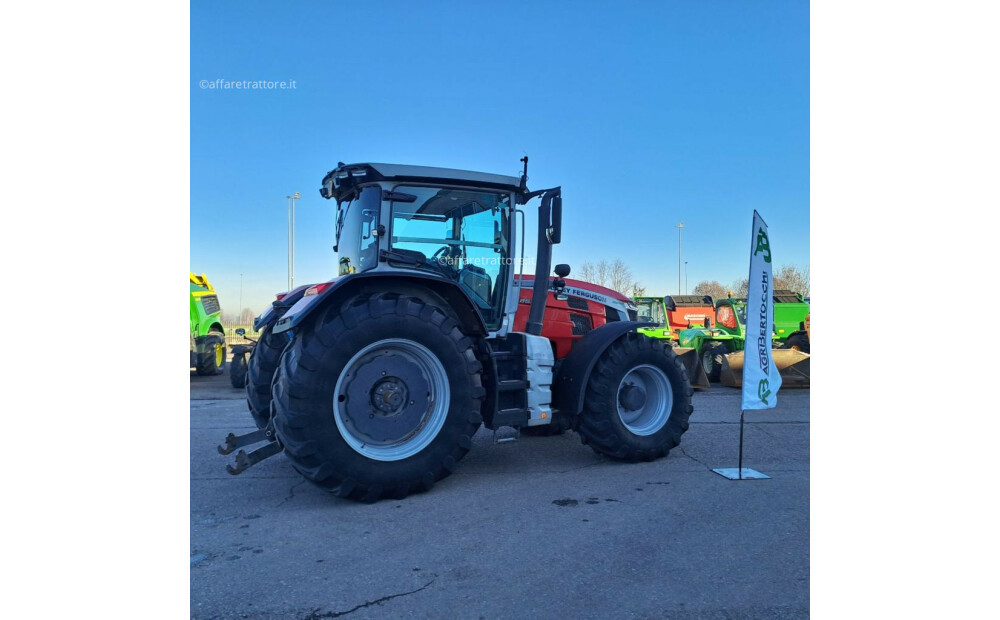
x=241 y=295
x=679 y=228
x=291 y=239
x=685 y=277
x=288 y=260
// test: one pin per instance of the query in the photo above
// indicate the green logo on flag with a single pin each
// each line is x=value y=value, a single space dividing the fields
x=763 y=245
x=763 y=390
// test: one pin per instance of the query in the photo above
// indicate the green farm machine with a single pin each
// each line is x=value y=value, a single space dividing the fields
x=208 y=338
x=716 y=346
x=673 y=313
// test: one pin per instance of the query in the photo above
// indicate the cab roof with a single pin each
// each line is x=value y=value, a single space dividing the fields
x=340 y=182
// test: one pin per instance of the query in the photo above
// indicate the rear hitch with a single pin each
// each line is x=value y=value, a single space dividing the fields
x=245 y=461
x=238 y=441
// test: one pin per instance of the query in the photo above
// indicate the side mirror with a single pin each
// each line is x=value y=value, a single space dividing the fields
x=562 y=270
x=241 y=332
x=555 y=229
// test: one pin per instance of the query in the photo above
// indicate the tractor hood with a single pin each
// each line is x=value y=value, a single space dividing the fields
x=586 y=290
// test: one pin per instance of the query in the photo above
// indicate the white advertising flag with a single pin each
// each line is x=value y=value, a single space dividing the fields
x=761 y=379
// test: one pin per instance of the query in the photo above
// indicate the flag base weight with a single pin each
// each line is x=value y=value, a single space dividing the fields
x=734 y=473
x=741 y=473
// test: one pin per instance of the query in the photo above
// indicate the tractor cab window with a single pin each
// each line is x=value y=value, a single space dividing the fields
x=724 y=316
x=457 y=234
x=651 y=311
x=741 y=313
x=357 y=243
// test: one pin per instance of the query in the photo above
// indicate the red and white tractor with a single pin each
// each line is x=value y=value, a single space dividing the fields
x=374 y=383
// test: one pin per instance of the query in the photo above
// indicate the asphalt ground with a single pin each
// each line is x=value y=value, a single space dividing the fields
x=537 y=528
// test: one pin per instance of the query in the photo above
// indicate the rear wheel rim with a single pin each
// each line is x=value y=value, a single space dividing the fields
x=658 y=402
x=391 y=400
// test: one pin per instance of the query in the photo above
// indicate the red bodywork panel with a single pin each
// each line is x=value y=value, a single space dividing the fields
x=690 y=316
x=566 y=321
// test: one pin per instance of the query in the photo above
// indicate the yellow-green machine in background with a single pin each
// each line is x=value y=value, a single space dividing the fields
x=208 y=338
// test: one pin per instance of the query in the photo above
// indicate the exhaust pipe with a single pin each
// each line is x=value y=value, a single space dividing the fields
x=549 y=234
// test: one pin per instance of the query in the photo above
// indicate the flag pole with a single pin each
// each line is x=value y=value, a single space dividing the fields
x=741 y=445
x=760 y=382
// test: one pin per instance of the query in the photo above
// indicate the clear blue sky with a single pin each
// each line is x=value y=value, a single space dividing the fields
x=646 y=113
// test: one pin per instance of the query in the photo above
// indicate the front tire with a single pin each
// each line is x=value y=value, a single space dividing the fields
x=260 y=372
x=238 y=368
x=379 y=398
x=711 y=359
x=212 y=359
x=638 y=400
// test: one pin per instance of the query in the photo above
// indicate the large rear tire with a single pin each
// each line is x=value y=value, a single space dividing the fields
x=711 y=359
x=260 y=372
x=212 y=359
x=638 y=400
x=379 y=398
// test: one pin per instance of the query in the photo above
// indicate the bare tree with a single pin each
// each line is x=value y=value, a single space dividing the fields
x=713 y=288
x=246 y=316
x=616 y=275
x=595 y=273
x=740 y=288
x=620 y=277
x=791 y=277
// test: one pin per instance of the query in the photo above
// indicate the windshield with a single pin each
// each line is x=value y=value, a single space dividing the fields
x=459 y=234
x=356 y=222
x=651 y=311
x=741 y=313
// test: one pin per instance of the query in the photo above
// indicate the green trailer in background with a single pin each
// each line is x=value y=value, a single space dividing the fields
x=729 y=334
x=790 y=312
x=208 y=338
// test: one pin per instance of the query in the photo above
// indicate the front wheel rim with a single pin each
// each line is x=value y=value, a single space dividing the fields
x=391 y=400
x=657 y=400
x=220 y=355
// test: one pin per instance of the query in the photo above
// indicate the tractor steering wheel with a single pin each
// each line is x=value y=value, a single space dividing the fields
x=442 y=252
x=444 y=261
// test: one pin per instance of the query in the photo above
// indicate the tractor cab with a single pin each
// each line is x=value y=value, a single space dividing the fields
x=673 y=313
x=731 y=316
x=448 y=225
x=650 y=309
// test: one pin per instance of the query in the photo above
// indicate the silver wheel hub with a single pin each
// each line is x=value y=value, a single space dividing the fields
x=645 y=399
x=391 y=399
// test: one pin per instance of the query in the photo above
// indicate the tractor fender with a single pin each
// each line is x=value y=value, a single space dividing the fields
x=278 y=308
x=419 y=285
x=574 y=372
